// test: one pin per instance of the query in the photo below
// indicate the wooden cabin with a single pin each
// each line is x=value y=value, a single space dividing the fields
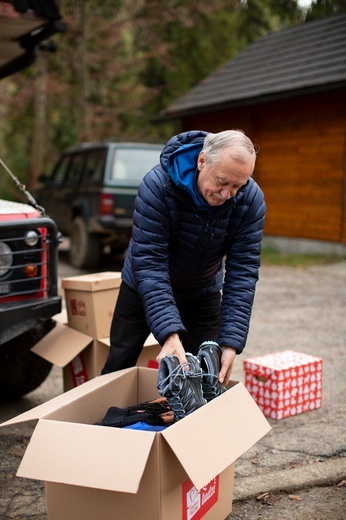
x=287 y=91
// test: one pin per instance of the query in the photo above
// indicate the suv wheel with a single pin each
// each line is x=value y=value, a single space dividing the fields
x=85 y=250
x=22 y=371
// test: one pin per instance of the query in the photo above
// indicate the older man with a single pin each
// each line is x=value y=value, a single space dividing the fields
x=192 y=264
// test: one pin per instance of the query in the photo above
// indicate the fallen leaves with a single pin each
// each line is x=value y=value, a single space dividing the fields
x=269 y=499
x=295 y=497
x=295 y=465
x=261 y=497
x=266 y=498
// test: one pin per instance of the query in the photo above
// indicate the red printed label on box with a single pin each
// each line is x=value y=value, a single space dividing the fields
x=78 y=371
x=152 y=363
x=78 y=307
x=74 y=308
x=196 y=503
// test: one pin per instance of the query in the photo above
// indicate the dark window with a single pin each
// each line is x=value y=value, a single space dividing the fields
x=95 y=166
x=75 y=170
x=60 y=171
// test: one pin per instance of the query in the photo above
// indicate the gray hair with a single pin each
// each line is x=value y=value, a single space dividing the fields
x=240 y=146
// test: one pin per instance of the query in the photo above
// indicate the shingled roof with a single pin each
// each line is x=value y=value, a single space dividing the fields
x=304 y=59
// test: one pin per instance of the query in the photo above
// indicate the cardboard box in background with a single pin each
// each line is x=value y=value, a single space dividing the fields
x=90 y=301
x=150 y=351
x=183 y=472
x=285 y=383
x=81 y=357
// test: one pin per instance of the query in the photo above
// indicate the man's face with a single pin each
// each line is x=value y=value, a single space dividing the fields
x=219 y=182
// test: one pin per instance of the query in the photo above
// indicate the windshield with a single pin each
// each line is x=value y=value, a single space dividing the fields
x=130 y=165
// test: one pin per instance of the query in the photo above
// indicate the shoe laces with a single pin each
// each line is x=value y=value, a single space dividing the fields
x=179 y=371
x=176 y=374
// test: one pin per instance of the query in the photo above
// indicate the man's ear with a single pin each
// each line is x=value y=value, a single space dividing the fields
x=200 y=160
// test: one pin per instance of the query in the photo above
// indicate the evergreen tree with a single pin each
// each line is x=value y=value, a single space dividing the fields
x=322 y=8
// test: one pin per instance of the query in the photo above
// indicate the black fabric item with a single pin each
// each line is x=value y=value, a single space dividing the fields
x=156 y=412
x=129 y=330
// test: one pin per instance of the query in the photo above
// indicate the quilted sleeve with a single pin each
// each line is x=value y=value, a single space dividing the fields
x=241 y=271
x=151 y=229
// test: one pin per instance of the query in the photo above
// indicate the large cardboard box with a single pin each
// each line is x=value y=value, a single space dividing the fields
x=90 y=301
x=81 y=357
x=285 y=383
x=182 y=472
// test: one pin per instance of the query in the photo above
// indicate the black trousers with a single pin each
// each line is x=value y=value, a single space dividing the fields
x=129 y=329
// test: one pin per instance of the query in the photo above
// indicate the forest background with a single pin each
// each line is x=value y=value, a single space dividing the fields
x=118 y=65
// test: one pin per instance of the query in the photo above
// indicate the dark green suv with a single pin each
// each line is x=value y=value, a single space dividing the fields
x=90 y=195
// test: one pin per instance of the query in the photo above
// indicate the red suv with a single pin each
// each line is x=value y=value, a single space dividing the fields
x=28 y=240
x=28 y=295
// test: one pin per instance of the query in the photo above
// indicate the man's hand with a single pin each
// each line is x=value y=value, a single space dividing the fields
x=174 y=347
x=227 y=359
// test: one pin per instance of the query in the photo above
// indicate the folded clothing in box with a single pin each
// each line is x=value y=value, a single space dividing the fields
x=285 y=383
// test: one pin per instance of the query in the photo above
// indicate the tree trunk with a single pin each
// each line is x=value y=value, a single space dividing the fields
x=39 y=130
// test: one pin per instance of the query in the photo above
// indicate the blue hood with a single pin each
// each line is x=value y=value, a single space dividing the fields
x=182 y=169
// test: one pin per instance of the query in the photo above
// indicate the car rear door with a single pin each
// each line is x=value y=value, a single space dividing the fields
x=129 y=166
x=62 y=188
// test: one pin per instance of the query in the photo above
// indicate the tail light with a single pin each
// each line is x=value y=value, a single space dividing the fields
x=106 y=204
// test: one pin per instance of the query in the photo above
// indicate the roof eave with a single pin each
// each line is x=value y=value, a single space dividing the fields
x=166 y=115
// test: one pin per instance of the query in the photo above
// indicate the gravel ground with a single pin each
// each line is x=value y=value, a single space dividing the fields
x=300 y=309
x=298 y=470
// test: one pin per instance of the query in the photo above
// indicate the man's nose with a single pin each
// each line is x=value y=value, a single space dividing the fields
x=228 y=193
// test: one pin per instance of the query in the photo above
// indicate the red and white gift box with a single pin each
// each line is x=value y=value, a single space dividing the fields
x=285 y=383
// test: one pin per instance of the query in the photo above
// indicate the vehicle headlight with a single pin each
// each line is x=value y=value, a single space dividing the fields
x=6 y=258
x=31 y=238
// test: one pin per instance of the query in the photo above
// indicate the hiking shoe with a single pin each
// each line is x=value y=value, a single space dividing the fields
x=209 y=357
x=182 y=388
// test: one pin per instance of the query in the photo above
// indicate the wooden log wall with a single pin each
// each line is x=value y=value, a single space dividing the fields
x=301 y=161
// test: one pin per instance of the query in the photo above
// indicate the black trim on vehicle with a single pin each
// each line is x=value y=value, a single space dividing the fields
x=22 y=302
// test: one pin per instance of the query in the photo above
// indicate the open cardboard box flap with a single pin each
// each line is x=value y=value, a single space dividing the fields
x=48 y=409
x=240 y=425
x=62 y=344
x=113 y=459
x=67 y=446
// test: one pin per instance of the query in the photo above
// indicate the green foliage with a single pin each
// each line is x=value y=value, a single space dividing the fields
x=16 y=128
x=322 y=8
x=121 y=62
x=272 y=256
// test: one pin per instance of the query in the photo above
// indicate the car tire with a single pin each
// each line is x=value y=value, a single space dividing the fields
x=85 y=250
x=22 y=371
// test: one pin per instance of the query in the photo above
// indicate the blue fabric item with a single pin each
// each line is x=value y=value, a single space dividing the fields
x=178 y=250
x=144 y=426
x=182 y=169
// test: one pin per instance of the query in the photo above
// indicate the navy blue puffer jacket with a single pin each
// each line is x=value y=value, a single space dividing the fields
x=178 y=251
